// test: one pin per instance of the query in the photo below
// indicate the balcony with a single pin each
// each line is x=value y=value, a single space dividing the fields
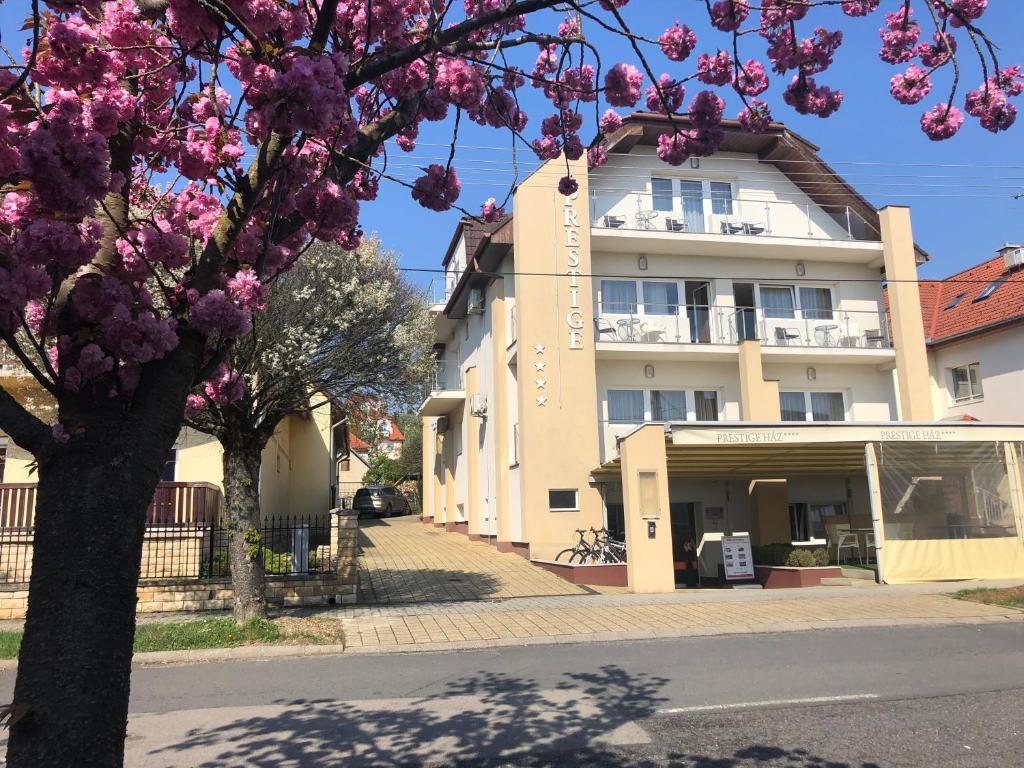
x=698 y=332
x=716 y=224
x=446 y=392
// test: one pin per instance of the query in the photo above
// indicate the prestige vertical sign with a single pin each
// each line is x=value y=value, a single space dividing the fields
x=571 y=225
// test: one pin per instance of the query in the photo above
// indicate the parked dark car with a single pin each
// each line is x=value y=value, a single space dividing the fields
x=383 y=500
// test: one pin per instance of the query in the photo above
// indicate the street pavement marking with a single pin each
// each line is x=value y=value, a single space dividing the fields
x=769 y=703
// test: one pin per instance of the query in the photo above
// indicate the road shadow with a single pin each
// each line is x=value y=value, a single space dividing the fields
x=483 y=719
x=762 y=756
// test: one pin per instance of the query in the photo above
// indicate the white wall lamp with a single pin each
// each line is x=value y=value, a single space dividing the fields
x=812 y=374
x=641 y=263
x=649 y=371
x=695 y=162
x=801 y=270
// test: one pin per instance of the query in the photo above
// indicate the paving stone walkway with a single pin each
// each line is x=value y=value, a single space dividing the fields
x=441 y=626
x=405 y=561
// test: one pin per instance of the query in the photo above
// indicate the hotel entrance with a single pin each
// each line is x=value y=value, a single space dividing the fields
x=920 y=503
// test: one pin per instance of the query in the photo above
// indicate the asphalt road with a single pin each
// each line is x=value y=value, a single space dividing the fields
x=935 y=696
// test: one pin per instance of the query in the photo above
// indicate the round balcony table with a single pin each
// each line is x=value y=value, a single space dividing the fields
x=826 y=332
x=629 y=328
x=644 y=219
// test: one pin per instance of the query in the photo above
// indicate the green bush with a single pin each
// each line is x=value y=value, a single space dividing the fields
x=278 y=563
x=788 y=555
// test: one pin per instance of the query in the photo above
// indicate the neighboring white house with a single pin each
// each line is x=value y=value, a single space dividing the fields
x=974 y=324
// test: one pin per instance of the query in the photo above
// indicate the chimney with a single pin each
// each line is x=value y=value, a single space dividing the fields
x=1013 y=255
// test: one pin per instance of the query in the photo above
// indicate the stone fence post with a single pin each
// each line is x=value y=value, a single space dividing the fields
x=344 y=548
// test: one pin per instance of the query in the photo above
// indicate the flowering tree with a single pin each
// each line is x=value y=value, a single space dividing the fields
x=333 y=326
x=162 y=160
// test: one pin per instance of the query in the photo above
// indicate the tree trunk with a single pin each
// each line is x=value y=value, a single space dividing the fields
x=75 y=662
x=242 y=502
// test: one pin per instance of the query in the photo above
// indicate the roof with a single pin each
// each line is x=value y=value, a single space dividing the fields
x=951 y=308
x=357 y=444
x=395 y=435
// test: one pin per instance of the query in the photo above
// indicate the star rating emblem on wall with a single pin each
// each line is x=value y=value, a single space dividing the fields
x=539 y=349
x=542 y=400
x=540 y=381
x=539 y=365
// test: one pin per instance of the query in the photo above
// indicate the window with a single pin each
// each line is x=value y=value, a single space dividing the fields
x=816 y=303
x=661 y=298
x=807 y=521
x=618 y=297
x=626 y=406
x=661 y=194
x=563 y=500
x=954 y=301
x=668 y=405
x=989 y=289
x=721 y=198
x=168 y=471
x=777 y=301
x=812 y=406
x=827 y=406
x=967 y=383
x=705 y=405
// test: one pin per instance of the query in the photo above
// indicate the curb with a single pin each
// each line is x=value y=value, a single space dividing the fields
x=270 y=652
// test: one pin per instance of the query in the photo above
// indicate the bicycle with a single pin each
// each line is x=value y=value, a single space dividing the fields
x=609 y=550
x=581 y=552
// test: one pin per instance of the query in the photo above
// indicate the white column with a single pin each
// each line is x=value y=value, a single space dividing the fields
x=875 y=496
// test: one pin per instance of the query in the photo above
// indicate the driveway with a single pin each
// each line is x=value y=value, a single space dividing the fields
x=405 y=561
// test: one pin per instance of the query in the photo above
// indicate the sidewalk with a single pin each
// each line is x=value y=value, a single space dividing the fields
x=585 y=618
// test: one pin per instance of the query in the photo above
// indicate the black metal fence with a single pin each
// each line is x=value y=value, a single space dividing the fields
x=287 y=546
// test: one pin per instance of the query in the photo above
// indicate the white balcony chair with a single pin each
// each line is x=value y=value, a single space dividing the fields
x=840 y=537
x=869 y=547
x=604 y=328
x=874 y=338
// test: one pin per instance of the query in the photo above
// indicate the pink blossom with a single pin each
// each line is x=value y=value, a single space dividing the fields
x=899 y=36
x=939 y=52
x=490 y=212
x=706 y=110
x=776 y=13
x=666 y=96
x=941 y=122
x=567 y=185
x=597 y=156
x=216 y=313
x=459 y=83
x=194 y=405
x=622 y=85
x=46 y=241
x=859 y=7
x=546 y=147
x=246 y=290
x=990 y=106
x=610 y=122
x=672 y=148
x=969 y=10
x=93 y=362
x=714 y=70
x=807 y=98
x=677 y=42
x=751 y=79
x=728 y=15
x=68 y=165
x=225 y=386
x=331 y=209
x=437 y=189
x=910 y=86
x=755 y=117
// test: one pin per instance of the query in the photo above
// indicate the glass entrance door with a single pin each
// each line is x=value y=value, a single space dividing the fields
x=684 y=542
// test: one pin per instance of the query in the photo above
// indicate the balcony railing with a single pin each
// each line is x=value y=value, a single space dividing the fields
x=642 y=211
x=447 y=377
x=698 y=324
x=440 y=289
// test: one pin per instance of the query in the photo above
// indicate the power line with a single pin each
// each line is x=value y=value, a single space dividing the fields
x=743 y=278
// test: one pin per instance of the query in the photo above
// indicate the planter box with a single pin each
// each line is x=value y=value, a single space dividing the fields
x=786 y=577
x=598 y=574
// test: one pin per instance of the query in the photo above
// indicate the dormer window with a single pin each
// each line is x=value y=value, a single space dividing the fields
x=954 y=301
x=990 y=289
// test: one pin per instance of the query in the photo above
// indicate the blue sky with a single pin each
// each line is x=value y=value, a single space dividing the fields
x=960 y=214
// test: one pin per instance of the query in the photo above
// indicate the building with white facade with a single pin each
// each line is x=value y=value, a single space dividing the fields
x=739 y=297
x=974 y=324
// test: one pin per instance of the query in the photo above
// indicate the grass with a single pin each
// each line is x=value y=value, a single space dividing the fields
x=1009 y=597
x=215 y=633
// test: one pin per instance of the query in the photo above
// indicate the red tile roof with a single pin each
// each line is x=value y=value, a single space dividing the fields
x=1005 y=305
x=396 y=435
x=357 y=444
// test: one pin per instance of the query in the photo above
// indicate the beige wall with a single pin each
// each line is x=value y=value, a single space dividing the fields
x=427 y=431
x=200 y=459
x=559 y=438
x=759 y=398
x=648 y=560
x=309 y=481
x=905 y=308
x=275 y=467
x=18 y=466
